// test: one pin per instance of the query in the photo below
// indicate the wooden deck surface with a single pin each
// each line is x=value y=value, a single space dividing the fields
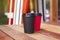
x=47 y=32
x=4 y=36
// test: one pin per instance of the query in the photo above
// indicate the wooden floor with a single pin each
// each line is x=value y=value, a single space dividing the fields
x=47 y=32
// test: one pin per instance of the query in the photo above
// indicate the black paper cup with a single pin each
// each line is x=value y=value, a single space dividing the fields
x=29 y=19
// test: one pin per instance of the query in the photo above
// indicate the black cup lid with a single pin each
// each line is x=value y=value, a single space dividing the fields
x=28 y=14
x=38 y=14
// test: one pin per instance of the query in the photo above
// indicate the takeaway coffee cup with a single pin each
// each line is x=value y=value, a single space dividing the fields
x=29 y=19
x=37 y=23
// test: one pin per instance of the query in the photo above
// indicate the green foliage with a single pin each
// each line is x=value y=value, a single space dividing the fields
x=3 y=8
x=3 y=20
x=3 y=5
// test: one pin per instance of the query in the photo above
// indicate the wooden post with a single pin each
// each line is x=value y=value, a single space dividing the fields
x=8 y=5
x=53 y=10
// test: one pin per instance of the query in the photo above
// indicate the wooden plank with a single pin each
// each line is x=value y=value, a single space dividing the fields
x=15 y=34
x=4 y=36
x=51 y=27
x=51 y=31
x=16 y=30
x=54 y=10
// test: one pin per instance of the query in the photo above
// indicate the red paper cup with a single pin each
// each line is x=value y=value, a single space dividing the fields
x=37 y=24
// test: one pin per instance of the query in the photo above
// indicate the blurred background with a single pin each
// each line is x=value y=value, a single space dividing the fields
x=59 y=10
x=3 y=9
